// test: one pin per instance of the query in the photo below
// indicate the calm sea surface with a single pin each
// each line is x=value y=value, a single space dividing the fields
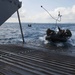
x=35 y=35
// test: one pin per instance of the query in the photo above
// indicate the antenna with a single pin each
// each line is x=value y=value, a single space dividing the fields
x=56 y=19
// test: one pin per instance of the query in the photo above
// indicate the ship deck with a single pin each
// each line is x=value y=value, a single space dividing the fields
x=34 y=60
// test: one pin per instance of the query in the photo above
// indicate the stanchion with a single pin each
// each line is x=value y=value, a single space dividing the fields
x=20 y=26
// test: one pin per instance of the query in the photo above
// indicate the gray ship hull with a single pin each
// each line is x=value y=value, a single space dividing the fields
x=7 y=8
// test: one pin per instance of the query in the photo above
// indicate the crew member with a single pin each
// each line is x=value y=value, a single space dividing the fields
x=61 y=32
x=50 y=32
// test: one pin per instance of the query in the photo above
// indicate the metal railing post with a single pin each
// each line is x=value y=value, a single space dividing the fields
x=20 y=26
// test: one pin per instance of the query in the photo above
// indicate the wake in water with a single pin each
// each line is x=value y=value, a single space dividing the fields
x=70 y=42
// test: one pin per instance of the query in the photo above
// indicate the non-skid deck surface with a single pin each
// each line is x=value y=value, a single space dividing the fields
x=30 y=60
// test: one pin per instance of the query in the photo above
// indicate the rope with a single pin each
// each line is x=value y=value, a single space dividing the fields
x=59 y=16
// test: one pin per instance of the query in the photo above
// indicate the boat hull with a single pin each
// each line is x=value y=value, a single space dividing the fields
x=56 y=39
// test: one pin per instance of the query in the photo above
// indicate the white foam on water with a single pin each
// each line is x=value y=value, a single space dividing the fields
x=72 y=39
x=59 y=44
x=43 y=39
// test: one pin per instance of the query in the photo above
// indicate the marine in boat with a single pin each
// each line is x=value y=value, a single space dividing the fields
x=59 y=36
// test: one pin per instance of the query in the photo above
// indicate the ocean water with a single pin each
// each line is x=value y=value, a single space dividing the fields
x=35 y=35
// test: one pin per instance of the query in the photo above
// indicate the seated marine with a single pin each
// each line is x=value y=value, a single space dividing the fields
x=64 y=33
x=68 y=33
x=50 y=32
x=61 y=32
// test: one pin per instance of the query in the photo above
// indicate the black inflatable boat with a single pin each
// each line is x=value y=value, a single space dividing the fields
x=60 y=36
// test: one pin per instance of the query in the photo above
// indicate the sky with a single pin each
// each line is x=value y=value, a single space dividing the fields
x=32 y=12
